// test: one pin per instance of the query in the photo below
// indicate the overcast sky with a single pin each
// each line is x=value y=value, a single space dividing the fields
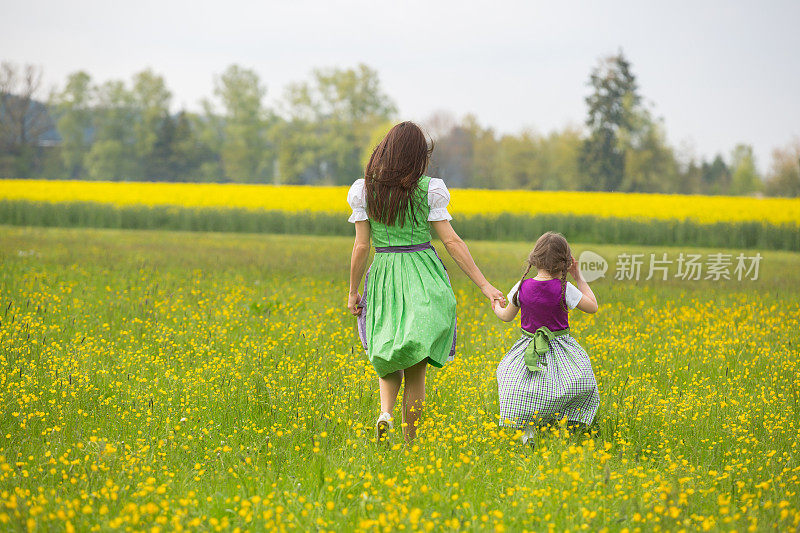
x=718 y=73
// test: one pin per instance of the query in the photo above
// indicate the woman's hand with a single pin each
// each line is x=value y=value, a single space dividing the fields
x=493 y=295
x=353 y=303
x=358 y=264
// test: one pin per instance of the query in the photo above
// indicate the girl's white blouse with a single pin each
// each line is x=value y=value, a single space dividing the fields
x=438 y=198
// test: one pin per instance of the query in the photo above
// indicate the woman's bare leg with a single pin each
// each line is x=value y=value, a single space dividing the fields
x=390 y=386
x=413 y=397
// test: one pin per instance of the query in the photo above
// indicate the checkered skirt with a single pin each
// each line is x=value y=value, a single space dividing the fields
x=566 y=388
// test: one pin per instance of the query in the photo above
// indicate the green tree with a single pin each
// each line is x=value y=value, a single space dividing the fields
x=241 y=133
x=210 y=131
x=613 y=99
x=178 y=154
x=375 y=138
x=453 y=150
x=470 y=156
x=784 y=176
x=298 y=152
x=517 y=161
x=559 y=154
x=112 y=155
x=745 y=178
x=690 y=172
x=716 y=176
x=23 y=120
x=690 y=178
x=331 y=121
x=150 y=99
x=108 y=159
x=484 y=154
x=74 y=107
x=650 y=164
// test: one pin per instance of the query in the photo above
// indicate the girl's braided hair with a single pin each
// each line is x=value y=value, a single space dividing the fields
x=553 y=254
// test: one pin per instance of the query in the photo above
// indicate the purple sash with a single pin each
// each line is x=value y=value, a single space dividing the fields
x=403 y=249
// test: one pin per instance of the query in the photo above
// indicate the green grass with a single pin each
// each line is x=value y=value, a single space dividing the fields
x=110 y=339
x=505 y=227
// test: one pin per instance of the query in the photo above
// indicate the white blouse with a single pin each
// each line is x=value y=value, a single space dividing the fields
x=438 y=198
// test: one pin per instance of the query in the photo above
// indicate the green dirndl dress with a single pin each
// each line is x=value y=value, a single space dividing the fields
x=409 y=309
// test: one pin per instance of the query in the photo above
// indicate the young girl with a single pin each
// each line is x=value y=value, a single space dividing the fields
x=546 y=375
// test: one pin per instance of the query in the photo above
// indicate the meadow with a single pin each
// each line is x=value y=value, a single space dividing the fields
x=206 y=381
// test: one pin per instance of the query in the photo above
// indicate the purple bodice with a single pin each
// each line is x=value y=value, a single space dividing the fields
x=542 y=304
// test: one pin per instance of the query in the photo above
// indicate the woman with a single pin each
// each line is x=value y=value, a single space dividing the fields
x=407 y=316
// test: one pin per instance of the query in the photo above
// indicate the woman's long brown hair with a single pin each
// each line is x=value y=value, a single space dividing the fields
x=393 y=173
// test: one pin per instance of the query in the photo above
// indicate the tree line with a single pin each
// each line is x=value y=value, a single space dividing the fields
x=322 y=129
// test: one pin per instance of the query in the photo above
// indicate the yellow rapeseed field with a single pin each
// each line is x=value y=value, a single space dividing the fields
x=159 y=381
x=702 y=209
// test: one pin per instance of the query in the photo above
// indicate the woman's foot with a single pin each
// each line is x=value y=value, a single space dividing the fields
x=382 y=426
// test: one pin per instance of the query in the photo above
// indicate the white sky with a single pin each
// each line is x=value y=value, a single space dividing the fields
x=718 y=72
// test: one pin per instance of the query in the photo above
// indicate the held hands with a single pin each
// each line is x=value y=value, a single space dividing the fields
x=494 y=295
x=353 y=303
x=505 y=311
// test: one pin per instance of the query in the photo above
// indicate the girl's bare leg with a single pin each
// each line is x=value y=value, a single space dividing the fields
x=413 y=397
x=390 y=386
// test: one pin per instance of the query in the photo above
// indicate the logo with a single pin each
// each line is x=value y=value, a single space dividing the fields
x=592 y=265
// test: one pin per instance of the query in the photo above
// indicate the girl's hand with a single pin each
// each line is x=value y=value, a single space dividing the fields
x=507 y=313
x=493 y=295
x=573 y=270
x=353 y=301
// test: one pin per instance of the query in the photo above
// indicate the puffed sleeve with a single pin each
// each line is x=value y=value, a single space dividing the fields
x=438 y=198
x=512 y=293
x=572 y=295
x=357 y=201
